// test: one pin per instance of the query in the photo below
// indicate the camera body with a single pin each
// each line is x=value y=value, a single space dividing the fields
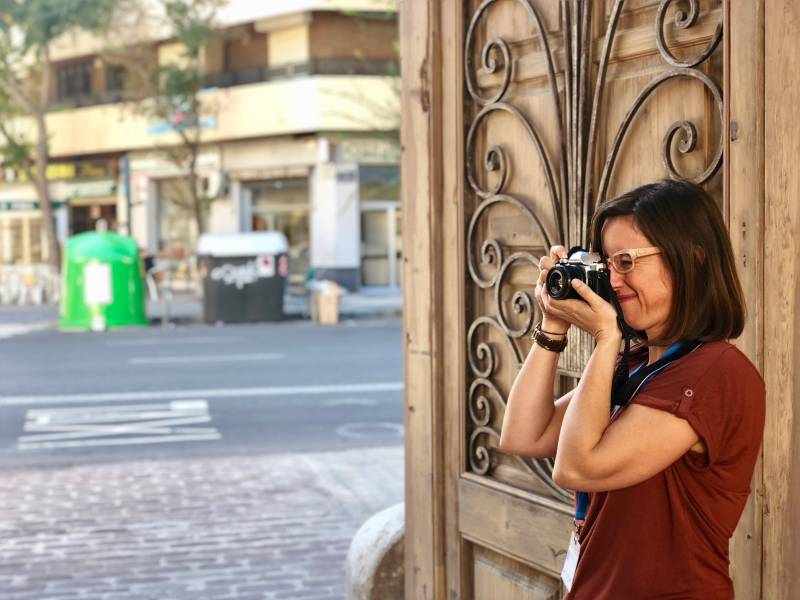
x=581 y=265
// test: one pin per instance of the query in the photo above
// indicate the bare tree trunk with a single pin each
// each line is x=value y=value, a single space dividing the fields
x=42 y=159
x=195 y=197
x=43 y=194
x=39 y=179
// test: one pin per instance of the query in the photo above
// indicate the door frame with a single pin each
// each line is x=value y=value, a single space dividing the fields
x=759 y=44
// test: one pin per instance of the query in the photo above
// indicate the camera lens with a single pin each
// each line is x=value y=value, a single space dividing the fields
x=557 y=284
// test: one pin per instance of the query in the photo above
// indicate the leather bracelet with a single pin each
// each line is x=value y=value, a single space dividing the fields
x=551 y=332
x=540 y=339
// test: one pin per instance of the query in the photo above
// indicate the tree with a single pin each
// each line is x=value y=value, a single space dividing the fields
x=27 y=29
x=171 y=94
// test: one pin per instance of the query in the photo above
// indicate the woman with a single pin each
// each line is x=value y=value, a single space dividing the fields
x=667 y=476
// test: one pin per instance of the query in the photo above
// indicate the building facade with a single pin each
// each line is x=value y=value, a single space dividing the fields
x=300 y=136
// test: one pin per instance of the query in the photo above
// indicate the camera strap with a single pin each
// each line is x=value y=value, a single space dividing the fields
x=625 y=386
x=624 y=389
x=623 y=392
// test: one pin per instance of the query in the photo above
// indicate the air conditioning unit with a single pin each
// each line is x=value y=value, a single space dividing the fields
x=215 y=185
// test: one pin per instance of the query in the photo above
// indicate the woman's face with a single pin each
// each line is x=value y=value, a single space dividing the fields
x=645 y=293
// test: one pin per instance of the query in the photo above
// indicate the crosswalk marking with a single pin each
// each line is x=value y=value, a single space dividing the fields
x=117 y=425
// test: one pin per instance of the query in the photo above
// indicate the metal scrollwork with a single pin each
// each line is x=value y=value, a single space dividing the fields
x=687 y=143
x=480 y=455
x=491 y=250
x=483 y=352
x=569 y=180
x=684 y=21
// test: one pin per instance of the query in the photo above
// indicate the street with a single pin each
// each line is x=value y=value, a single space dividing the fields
x=194 y=462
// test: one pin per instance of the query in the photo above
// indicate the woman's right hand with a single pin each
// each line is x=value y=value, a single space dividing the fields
x=549 y=322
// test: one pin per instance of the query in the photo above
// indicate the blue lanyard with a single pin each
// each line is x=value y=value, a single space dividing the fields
x=582 y=503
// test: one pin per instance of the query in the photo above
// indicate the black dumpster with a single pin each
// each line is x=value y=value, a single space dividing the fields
x=244 y=276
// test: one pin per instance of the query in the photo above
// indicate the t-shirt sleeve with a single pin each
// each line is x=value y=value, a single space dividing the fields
x=721 y=397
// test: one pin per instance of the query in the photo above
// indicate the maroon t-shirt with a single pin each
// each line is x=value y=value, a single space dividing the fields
x=667 y=537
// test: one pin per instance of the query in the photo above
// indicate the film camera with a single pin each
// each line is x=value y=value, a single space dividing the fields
x=585 y=266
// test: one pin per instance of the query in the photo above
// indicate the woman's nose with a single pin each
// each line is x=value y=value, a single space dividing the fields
x=617 y=280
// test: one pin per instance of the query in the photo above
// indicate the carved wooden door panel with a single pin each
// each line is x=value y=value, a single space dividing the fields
x=566 y=104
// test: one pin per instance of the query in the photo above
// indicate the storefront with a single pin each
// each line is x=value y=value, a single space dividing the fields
x=283 y=205
x=23 y=240
x=91 y=202
x=381 y=225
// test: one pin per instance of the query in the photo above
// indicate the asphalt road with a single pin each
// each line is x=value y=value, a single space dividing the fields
x=75 y=398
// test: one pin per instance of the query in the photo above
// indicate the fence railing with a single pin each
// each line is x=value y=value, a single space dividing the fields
x=35 y=284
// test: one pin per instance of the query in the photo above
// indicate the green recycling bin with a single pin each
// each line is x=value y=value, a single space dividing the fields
x=103 y=285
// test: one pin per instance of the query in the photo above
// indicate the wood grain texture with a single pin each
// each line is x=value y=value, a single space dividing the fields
x=781 y=557
x=743 y=193
x=458 y=556
x=519 y=525
x=421 y=172
x=454 y=518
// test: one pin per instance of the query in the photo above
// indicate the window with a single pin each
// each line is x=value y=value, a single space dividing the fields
x=379 y=182
x=283 y=205
x=75 y=80
x=115 y=79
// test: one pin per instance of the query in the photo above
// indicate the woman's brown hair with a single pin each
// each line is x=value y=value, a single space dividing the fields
x=683 y=220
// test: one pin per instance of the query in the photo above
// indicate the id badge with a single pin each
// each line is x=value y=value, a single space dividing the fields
x=571 y=562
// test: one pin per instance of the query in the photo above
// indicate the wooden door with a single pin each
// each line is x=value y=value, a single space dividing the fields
x=520 y=116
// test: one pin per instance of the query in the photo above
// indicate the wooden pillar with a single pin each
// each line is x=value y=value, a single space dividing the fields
x=781 y=517
x=421 y=140
x=744 y=192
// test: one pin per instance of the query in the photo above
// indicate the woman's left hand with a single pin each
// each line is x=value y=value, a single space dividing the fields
x=595 y=316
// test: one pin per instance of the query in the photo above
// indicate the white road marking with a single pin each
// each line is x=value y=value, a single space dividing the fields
x=12 y=329
x=360 y=431
x=298 y=390
x=200 y=358
x=121 y=442
x=117 y=425
x=166 y=341
x=351 y=402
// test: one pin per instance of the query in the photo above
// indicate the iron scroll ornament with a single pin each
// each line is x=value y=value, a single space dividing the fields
x=573 y=196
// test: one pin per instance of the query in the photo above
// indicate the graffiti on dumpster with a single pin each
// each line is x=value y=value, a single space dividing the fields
x=249 y=272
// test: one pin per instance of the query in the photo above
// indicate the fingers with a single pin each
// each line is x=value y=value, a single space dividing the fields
x=585 y=292
x=546 y=262
x=558 y=252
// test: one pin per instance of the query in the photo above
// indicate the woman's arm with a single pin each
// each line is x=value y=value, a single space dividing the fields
x=532 y=422
x=593 y=455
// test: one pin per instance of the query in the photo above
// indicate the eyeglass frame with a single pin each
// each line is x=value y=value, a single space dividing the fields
x=635 y=253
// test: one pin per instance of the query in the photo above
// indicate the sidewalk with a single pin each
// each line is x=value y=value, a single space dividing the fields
x=186 y=308
x=273 y=527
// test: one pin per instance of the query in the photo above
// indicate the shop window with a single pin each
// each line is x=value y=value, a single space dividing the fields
x=85 y=218
x=176 y=222
x=283 y=205
x=375 y=263
x=379 y=182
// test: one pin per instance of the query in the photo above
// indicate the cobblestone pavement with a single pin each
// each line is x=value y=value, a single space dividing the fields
x=266 y=527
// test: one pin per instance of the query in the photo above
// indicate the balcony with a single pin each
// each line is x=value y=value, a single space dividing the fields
x=227 y=79
x=280 y=106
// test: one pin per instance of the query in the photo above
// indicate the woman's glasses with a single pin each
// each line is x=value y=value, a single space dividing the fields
x=623 y=261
